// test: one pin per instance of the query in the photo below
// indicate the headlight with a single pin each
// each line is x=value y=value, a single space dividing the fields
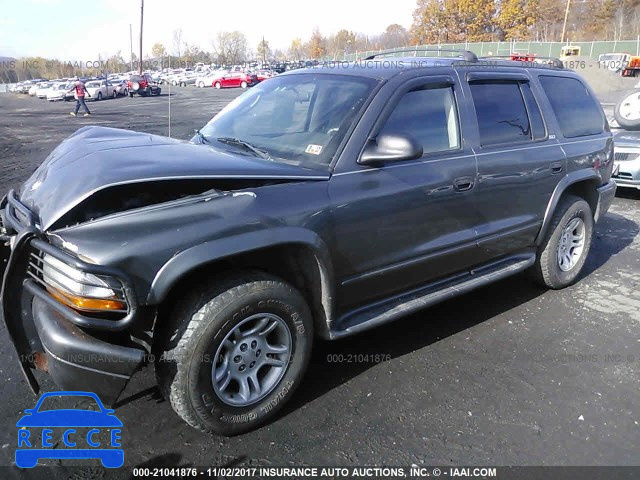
x=77 y=289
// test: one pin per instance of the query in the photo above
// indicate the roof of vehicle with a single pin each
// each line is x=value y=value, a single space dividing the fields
x=387 y=67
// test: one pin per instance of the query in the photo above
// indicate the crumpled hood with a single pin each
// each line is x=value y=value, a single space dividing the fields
x=95 y=158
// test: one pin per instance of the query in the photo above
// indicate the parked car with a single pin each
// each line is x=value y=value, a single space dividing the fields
x=43 y=89
x=318 y=204
x=208 y=79
x=59 y=91
x=627 y=111
x=120 y=87
x=236 y=79
x=187 y=79
x=100 y=89
x=264 y=75
x=142 y=85
x=614 y=62
x=626 y=169
x=32 y=88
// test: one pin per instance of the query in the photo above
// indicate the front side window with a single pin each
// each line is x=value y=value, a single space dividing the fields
x=501 y=113
x=300 y=119
x=428 y=115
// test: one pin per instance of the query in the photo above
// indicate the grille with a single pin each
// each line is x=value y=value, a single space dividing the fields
x=621 y=157
x=36 y=272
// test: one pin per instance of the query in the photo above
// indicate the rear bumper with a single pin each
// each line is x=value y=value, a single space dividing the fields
x=606 y=194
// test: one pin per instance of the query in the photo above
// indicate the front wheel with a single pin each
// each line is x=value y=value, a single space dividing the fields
x=130 y=94
x=236 y=353
x=99 y=95
x=217 y=85
x=566 y=246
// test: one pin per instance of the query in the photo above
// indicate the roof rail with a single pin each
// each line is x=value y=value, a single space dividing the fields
x=555 y=61
x=465 y=54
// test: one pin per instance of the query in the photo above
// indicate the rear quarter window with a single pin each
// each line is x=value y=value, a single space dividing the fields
x=577 y=111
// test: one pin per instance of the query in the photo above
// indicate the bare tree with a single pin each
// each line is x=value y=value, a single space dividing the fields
x=231 y=47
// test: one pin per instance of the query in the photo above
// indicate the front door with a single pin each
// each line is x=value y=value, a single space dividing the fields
x=402 y=224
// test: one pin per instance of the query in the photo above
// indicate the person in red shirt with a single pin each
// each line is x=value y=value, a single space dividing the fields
x=80 y=91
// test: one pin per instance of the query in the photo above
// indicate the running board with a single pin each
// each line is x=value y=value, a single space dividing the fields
x=390 y=309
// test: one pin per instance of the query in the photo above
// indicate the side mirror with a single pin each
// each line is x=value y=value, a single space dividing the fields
x=390 y=148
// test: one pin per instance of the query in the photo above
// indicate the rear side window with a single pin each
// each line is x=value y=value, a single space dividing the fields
x=501 y=112
x=429 y=115
x=577 y=112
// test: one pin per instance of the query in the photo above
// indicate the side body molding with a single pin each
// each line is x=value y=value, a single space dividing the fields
x=566 y=182
x=194 y=257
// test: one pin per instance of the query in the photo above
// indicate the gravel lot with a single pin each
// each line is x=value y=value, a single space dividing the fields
x=507 y=375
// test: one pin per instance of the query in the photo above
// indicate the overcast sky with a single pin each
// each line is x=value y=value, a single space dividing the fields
x=82 y=29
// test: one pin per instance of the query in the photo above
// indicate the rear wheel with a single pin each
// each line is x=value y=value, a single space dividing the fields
x=243 y=84
x=564 y=251
x=99 y=95
x=236 y=352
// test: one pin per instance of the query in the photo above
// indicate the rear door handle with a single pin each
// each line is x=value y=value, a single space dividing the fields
x=556 y=168
x=463 y=184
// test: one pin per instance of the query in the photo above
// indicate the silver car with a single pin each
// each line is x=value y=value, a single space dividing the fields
x=626 y=169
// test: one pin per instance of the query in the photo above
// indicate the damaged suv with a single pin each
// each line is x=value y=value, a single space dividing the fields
x=319 y=204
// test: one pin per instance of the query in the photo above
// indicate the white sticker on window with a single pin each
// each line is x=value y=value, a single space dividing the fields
x=313 y=149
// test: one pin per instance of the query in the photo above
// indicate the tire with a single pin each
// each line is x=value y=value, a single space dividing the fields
x=243 y=84
x=203 y=322
x=217 y=85
x=114 y=94
x=201 y=84
x=131 y=94
x=548 y=269
x=99 y=96
x=627 y=111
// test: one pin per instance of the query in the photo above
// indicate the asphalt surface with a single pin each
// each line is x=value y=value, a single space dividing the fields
x=510 y=374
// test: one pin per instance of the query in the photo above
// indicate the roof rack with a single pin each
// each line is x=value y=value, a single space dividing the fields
x=555 y=61
x=465 y=54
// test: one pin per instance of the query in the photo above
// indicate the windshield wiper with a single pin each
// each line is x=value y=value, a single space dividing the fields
x=202 y=137
x=246 y=145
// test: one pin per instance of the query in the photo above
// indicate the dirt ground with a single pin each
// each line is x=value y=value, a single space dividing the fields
x=508 y=375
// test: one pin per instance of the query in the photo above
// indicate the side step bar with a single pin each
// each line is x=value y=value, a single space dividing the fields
x=401 y=305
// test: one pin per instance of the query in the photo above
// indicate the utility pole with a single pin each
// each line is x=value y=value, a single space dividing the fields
x=566 y=16
x=131 y=47
x=141 y=21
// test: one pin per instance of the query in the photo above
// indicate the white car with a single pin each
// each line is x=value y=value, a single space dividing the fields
x=208 y=79
x=59 y=92
x=34 y=88
x=43 y=89
x=99 y=89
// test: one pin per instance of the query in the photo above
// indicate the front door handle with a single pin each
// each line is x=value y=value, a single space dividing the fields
x=463 y=184
x=556 y=168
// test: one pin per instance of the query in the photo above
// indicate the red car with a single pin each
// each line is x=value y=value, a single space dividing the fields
x=235 y=79
x=142 y=85
x=263 y=75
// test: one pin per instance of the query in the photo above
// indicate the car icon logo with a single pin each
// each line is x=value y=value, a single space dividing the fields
x=69 y=433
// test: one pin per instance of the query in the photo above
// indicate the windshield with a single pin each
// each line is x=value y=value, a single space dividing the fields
x=298 y=119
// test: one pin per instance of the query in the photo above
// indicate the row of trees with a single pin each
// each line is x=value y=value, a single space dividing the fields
x=454 y=21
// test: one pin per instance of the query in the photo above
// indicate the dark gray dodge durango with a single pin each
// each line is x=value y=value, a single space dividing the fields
x=318 y=204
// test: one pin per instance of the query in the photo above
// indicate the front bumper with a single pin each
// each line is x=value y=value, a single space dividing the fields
x=606 y=194
x=49 y=335
x=627 y=166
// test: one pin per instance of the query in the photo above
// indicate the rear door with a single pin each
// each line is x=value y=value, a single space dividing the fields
x=519 y=161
